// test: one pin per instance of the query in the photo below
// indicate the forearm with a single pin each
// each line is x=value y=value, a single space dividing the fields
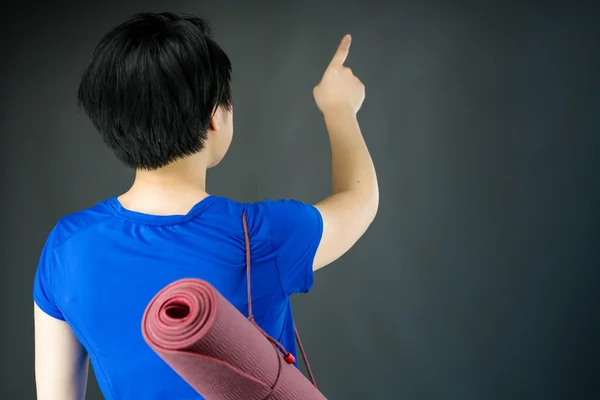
x=352 y=167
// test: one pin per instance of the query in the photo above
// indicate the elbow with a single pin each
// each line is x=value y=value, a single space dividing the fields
x=375 y=198
x=375 y=207
x=372 y=204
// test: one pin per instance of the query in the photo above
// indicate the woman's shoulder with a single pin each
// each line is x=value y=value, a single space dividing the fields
x=276 y=219
x=268 y=216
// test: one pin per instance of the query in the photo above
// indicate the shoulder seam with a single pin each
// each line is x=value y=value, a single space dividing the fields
x=73 y=234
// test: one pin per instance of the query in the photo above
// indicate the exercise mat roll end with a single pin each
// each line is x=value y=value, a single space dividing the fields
x=215 y=349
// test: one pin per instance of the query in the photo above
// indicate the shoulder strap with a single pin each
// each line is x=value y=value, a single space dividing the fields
x=289 y=357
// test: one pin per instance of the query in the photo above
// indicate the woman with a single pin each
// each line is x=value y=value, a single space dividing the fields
x=158 y=90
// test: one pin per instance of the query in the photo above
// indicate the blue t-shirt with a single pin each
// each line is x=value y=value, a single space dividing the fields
x=100 y=267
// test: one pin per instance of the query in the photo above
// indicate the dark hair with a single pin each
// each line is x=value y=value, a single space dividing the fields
x=152 y=85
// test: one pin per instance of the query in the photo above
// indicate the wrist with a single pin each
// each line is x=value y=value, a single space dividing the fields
x=335 y=113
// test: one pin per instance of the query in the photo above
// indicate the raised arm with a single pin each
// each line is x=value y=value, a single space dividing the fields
x=61 y=362
x=351 y=208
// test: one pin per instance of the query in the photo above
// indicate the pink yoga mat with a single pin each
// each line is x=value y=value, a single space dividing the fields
x=216 y=350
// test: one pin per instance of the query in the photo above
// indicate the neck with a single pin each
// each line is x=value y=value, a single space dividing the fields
x=173 y=189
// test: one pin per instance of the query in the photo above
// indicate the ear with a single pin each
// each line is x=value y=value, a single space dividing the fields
x=214 y=123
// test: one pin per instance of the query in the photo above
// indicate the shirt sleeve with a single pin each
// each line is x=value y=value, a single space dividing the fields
x=296 y=229
x=43 y=286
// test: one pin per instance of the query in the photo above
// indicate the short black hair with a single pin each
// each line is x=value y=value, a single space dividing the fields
x=152 y=85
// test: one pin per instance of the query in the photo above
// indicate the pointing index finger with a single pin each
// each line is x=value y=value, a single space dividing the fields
x=342 y=52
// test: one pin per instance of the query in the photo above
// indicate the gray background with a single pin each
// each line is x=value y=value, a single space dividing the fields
x=479 y=278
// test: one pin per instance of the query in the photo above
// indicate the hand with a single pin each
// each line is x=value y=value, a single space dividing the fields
x=339 y=89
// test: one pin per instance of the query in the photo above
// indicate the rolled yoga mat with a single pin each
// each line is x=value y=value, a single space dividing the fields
x=216 y=350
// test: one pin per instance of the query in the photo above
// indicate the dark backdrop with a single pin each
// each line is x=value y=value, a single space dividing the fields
x=478 y=280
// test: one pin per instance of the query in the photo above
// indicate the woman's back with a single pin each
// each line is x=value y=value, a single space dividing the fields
x=100 y=268
x=158 y=90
